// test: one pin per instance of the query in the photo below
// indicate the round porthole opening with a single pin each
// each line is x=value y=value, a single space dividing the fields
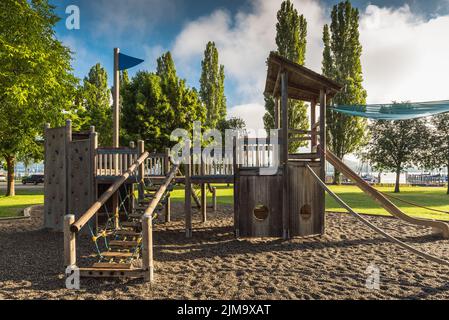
x=306 y=211
x=261 y=212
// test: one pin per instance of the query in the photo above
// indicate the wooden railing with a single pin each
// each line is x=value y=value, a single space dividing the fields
x=157 y=164
x=252 y=153
x=114 y=161
x=78 y=225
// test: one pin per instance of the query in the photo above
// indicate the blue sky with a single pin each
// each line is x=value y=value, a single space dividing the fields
x=145 y=29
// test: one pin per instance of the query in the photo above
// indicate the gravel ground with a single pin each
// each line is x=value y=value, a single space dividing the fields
x=214 y=265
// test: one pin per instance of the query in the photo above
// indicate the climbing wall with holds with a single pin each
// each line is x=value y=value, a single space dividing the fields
x=81 y=176
x=55 y=185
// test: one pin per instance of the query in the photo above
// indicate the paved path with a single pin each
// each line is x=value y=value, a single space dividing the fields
x=20 y=186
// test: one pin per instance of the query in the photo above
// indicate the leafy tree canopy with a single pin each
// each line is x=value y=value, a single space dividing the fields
x=36 y=82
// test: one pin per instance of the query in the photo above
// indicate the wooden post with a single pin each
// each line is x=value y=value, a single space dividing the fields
x=68 y=126
x=323 y=134
x=284 y=155
x=69 y=242
x=203 y=194
x=94 y=162
x=131 y=207
x=313 y=128
x=167 y=170
x=116 y=97
x=323 y=145
x=141 y=171
x=188 y=193
x=277 y=116
x=235 y=152
x=147 y=250
x=214 y=199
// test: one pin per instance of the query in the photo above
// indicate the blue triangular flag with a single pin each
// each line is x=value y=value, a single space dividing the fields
x=126 y=62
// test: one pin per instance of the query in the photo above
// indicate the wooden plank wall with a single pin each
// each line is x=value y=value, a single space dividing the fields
x=55 y=185
x=259 y=190
x=306 y=202
x=81 y=177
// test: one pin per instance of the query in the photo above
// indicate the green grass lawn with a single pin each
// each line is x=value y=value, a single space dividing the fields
x=12 y=206
x=430 y=197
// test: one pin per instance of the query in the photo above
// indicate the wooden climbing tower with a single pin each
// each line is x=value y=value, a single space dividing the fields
x=288 y=202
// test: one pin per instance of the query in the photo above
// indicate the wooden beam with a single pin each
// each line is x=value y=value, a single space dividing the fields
x=276 y=84
x=69 y=242
x=284 y=154
x=313 y=129
x=323 y=143
x=203 y=195
x=304 y=156
x=147 y=247
x=76 y=227
x=188 y=194
x=236 y=188
x=116 y=97
x=141 y=170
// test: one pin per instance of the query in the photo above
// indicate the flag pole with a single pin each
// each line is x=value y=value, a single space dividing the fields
x=116 y=97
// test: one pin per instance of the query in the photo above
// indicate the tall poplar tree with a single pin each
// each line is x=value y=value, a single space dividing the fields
x=212 y=86
x=341 y=62
x=291 y=33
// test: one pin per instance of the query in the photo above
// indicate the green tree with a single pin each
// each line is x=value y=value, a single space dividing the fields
x=185 y=102
x=436 y=156
x=36 y=83
x=291 y=34
x=94 y=104
x=146 y=111
x=212 y=86
x=155 y=104
x=341 y=62
x=395 y=145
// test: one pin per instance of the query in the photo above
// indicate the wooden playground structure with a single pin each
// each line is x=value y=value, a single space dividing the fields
x=114 y=194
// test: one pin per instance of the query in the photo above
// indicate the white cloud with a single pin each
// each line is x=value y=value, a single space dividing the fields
x=244 y=42
x=404 y=57
x=251 y=113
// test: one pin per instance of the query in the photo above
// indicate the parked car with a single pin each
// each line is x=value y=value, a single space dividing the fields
x=34 y=179
x=2 y=177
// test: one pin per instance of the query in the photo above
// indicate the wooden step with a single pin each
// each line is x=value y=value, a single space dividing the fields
x=128 y=233
x=114 y=266
x=113 y=254
x=152 y=188
x=130 y=224
x=123 y=244
x=135 y=215
x=110 y=273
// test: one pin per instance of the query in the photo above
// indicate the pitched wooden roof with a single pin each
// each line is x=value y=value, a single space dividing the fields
x=303 y=83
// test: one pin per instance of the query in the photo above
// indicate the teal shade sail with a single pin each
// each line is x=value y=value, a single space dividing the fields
x=395 y=111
